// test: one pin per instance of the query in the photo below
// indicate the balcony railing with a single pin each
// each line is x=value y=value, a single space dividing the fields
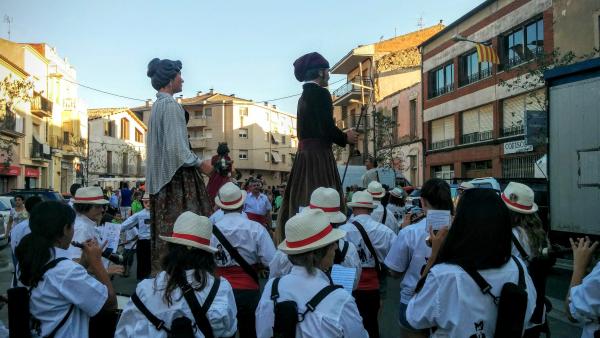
x=39 y=151
x=11 y=124
x=513 y=130
x=441 y=90
x=529 y=55
x=41 y=106
x=468 y=79
x=476 y=137
x=351 y=87
x=442 y=144
x=198 y=142
x=197 y=122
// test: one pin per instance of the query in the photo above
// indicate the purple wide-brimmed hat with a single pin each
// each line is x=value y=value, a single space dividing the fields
x=307 y=62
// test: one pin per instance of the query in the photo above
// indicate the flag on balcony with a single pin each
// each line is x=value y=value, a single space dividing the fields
x=487 y=54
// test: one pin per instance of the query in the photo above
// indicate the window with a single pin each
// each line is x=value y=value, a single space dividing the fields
x=353 y=118
x=267 y=156
x=198 y=114
x=124 y=129
x=523 y=43
x=109 y=128
x=477 y=169
x=282 y=158
x=243 y=133
x=477 y=124
x=243 y=111
x=445 y=172
x=243 y=155
x=125 y=163
x=441 y=80
x=514 y=108
x=66 y=137
x=471 y=70
x=139 y=137
x=207 y=112
x=282 y=139
x=109 y=165
x=140 y=172
x=344 y=113
x=275 y=157
x=413 y=117
x=266 y=136
x=442 y=133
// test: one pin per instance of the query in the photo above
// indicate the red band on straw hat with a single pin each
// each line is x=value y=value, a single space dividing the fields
x=193 y=238
x=333 y=209
x=232 y=202
x=310 y=239
x=95 y=198
x=514 y=204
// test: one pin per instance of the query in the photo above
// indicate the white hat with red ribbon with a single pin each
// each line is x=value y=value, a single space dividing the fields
x=308 y=231
x=192 y=230
x=376 y=189
x=328 y=200
x=230 y=197
x=362 y=199
x=519 y=198
x=90 y=195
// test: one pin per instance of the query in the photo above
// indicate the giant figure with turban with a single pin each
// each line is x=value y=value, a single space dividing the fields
x=173 y=170
x=315 y=164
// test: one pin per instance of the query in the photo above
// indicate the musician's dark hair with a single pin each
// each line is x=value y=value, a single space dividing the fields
x=47 y=221
x=437 y=193
x=180 y=258
x=31 y=202
x=310 y=260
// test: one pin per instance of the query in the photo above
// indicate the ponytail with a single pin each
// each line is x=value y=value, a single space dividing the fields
x=47 y=223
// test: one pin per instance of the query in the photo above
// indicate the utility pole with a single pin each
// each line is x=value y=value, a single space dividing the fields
x=8 y=20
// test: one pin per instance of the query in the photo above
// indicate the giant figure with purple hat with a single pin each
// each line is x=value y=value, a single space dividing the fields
x=314 y=165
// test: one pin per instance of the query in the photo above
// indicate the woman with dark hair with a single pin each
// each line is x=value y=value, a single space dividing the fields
x=479 y=239
x=223 y=167
x=187 y=265
x=409 y=252
x=65 y=290
x=314 y=165
x=17 y=214
x=173 y=178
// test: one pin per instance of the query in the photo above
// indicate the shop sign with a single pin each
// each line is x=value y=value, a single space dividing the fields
x=32 y=172
x=520 y=146
x=12 y=170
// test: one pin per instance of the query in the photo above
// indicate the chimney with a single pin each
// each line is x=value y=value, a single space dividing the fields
x=266 y=103
x=148 y=103
x=211 y=91
x=199 y=93
x=232 y=95
x=274 y=106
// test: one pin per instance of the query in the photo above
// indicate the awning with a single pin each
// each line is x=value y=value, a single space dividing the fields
x=12 y=170
x=275 y=157
x=275 y=138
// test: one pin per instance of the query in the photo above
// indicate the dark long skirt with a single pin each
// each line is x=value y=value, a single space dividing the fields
x=313 y=167
x=185 y=192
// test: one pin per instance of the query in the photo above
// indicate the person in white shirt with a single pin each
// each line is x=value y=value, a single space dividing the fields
x=583 y=298
x=141 y=221
x=188 y=265
x=409 y=253
x=257 y=205
x=218 y=214
x=89 y=206
x=328 y=200
x=397 y=203
x=18 y=232
x=448 y=298
x=381 y=237
x=254 y=245
x=66 y=290
x=73 y=191
x=310 y=243
x=382 y=214
x=371 y=174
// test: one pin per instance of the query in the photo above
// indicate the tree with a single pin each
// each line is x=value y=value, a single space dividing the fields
x=12 y=93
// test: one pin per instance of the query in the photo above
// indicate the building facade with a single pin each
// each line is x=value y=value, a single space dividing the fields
x=117 y=147
x=262 y=139
x=476 y=113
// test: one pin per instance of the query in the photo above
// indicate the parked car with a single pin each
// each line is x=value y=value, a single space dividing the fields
x=487 y=183
x=45 y=194
x=5 y=206
x=414 y=198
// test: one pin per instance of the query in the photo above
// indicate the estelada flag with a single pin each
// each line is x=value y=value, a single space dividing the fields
x=487 y=54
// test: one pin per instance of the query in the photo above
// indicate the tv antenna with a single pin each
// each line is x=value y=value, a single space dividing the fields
x=8 y=20
x=420 y=22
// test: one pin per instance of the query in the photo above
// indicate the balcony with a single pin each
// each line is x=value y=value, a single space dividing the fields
x=198 y=143
x=435 y=92
x=468 y=79
x=11 y=124
x=39 y=151
x=41 y=106
x=513 y=130
x=442 y=144
x=197 y=122
x=350 y=90
x=56 y=142
x=476 y=137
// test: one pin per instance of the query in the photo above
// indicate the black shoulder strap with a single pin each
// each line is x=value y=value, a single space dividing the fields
x=198 y=311
x=158 y=324
x=485 y=287
x=521 y=282
x=368 y=243
x=340 y=254
x=62 y=322
x=519 y=247
x=344 y=250
x=235 y=254
x=384 y=214
x=52 y=264
x=275 y=289
x=313 y=302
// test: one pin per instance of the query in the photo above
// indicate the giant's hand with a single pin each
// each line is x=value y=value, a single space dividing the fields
x=206 y=167
x=352 y=136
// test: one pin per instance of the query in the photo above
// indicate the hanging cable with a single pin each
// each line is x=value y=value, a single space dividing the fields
x=290 y=96
x=104 y=92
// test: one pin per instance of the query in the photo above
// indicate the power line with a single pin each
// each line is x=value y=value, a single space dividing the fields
x=290 y=96
x=104 y=92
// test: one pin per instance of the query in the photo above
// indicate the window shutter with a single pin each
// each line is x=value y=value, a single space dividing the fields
x=449 y=128
x=437 y=130
x=470 y=122
x=486 y=119
x=513 y=111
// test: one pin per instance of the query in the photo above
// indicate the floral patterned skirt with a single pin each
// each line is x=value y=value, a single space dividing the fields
x=185 y=192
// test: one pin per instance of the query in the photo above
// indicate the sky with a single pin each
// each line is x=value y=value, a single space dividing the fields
x=245 y=48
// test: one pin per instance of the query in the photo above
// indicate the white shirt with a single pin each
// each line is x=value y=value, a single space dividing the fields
x=217 y=215
x=67 y=283
x=397 y=210
x=257 y=205
x=585 y=302
x=280 y=264
x=140 y=219
x=129 y=238
x=221 y=314
x=336 y=315
x=451 y=301
x=390 y=221
x=250 y=238
x=85 y=229
x=369 y=176
x=16 y=235
x=409 y=255
x=381 y=237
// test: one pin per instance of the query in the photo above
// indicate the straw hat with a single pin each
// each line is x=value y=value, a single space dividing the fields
x=192 y=230
x=308 y=231
x=328 y=200
x=519 y=198
x=466 y=186
x=146 y=196
x=90 y=195
x=376 y=189
x=397 y=192
x=362 y=199
x=230 y=197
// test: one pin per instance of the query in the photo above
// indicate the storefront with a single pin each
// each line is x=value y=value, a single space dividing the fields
x=32 y=177
x=8 y=177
